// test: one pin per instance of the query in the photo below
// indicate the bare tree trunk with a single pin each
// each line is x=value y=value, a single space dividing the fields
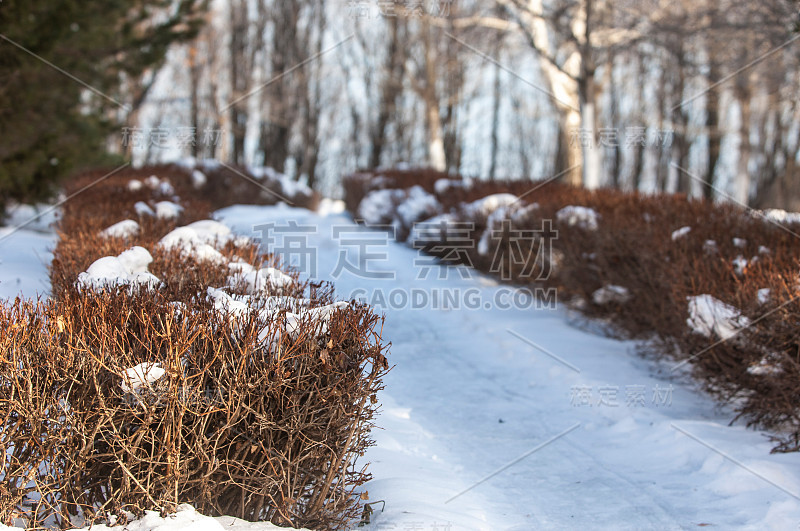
x=391 y=88
x=741 y=189
x=311 y=140
x=238 y=111
x=433 y=119
x=587 y=96
x=279 y=101
x=714 y=133
x=194 y=100
x=495 y=122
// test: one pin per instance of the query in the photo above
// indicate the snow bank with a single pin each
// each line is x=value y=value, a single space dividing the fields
x=129 y=268
x=123 y=229
x=583 y=217
x=709 y=315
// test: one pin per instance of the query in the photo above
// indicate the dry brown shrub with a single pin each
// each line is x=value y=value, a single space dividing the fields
x=237 y=425
x=250 y=419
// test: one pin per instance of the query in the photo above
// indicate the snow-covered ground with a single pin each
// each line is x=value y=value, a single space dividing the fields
x=26 y=244
x=503 y=416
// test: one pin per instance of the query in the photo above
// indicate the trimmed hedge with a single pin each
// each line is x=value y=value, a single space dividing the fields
x=120 y=399
x=757 y=370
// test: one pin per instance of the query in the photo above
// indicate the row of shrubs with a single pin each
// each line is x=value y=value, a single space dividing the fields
x=194 y=379
x=710 y=284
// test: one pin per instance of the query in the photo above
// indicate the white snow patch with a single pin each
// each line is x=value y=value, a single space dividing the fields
x=186 y=518
x=709 y=315
x=780 y=216
x=199 y=179
x=739 y=265
x=124 y=229
x=490 y=203
x=418 y=205
x=328 y=207
x=258 y=280
x=136 y=259
x=152 y=182
x=680 y=233
x=768 y=366
x=134 y=185
x=143 y=209
x=580 y=216
x=378 y=206
x=611 y=293
x=129 y=268
x=739 y=242
x=431 y=230
x=493 y=225
x=763 y=295
x=194 y=243
x=168 y=210
x=210 y=231
x=225 y=304
x=166 y=188
x=319 y=317
x=142 y=375
x=442 y=186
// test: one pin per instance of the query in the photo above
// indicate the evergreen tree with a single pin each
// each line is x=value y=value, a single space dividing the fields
x=63 y=65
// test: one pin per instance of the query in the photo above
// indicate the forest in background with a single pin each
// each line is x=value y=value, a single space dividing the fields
x=692 y=97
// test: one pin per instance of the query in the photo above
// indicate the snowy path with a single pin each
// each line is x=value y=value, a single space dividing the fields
x=468 y=396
